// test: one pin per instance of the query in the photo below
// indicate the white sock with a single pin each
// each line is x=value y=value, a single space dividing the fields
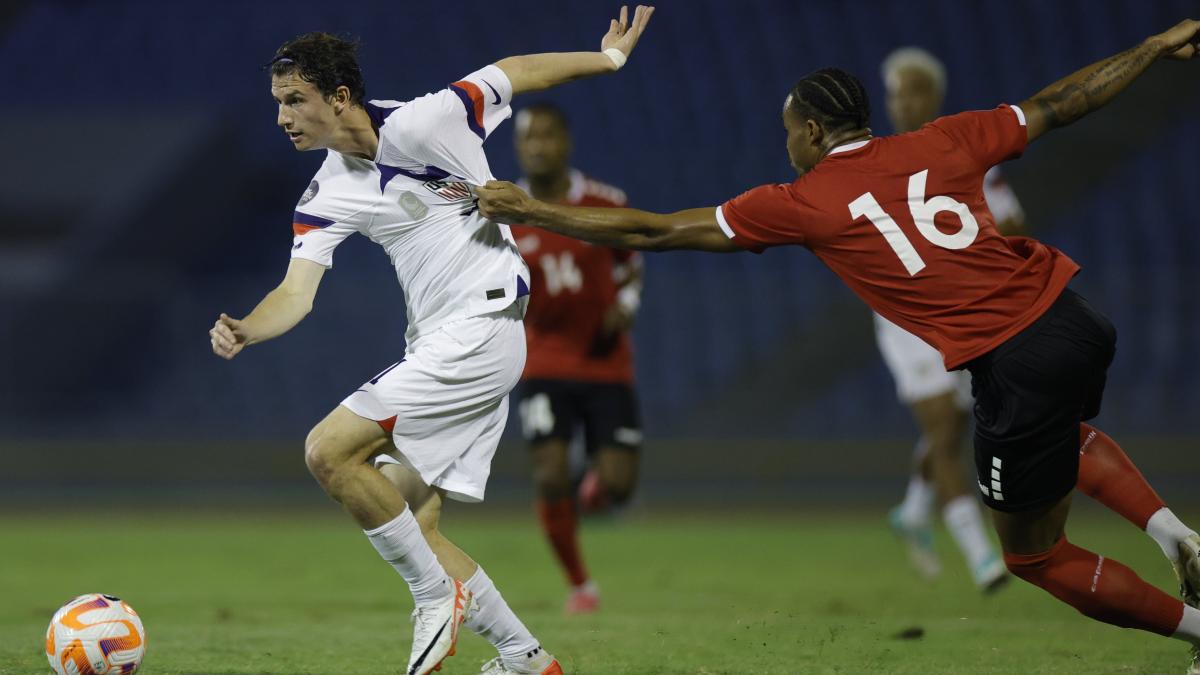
x=1168 y=531
x=965 y=523
x=589 y=586
x=402 y=545
x=918 y=501
x=1189 y=626
x=495 y=622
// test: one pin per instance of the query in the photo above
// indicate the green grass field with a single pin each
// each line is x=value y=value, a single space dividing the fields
x=258 y=592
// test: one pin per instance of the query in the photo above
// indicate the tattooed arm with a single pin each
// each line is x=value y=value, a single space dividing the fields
x=1090 y=88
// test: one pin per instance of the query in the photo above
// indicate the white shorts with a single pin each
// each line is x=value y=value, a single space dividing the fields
x=918 y=369
x=448 y=400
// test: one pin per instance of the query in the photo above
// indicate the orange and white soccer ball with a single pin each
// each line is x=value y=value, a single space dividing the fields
x=95 y=635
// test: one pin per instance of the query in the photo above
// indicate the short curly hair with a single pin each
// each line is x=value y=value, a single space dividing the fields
x=327 y=61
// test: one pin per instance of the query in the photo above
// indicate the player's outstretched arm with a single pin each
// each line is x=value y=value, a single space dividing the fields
x=278 y=312
x=1090 y=88
x=695 y=229
x=535 y=72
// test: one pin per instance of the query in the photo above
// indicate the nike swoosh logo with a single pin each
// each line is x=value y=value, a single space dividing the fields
x=489 y=84
x=417 y=664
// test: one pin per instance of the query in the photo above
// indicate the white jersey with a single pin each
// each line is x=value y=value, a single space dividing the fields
x=1001 y=199
x=416 y=200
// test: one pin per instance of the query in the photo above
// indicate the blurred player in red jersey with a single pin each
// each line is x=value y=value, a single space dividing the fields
x=903 y=221
x=578 y=377
x=940 y=400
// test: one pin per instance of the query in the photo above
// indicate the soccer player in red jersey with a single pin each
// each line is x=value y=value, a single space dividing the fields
x=579 y=373
x=903 y=221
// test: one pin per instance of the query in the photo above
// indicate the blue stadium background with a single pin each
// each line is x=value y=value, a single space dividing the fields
x=145 y=188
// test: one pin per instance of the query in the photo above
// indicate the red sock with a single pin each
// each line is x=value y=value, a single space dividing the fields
x=1107 y=475
x=1099 y=587
x=558 y=521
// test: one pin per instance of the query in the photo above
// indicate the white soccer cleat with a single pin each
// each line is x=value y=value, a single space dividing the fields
x=435 y=630
x=539 y=662
x=1188 y=569
x=918 y=541
x=991 y=575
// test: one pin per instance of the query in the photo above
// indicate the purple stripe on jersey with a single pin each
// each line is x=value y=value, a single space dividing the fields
x=387 y=173
x=470 y=106
x=306 y=219
x=522 y=287
x=378 y=113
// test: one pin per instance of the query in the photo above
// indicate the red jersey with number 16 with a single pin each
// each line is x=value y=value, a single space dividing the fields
x=903 y=221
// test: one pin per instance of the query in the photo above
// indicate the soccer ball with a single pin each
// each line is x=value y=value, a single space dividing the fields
x=95 y=635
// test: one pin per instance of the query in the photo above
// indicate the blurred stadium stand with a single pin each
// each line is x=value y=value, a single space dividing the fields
x=145 y=189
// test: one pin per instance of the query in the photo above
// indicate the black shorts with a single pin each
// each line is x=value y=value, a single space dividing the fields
x=606 y=413
x=1031 y=393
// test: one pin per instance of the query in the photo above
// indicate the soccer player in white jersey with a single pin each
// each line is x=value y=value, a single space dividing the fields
x=400 y=174
x=940 y=400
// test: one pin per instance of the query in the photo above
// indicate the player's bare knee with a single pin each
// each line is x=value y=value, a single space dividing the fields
x=319 y=464
x=321 y=454
x=314 y=458
x=618 y=468
x=552 y=479
x=619 y=492
x=618 y=486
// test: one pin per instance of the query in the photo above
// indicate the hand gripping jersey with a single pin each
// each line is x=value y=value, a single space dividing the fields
x=574 y=286
x=416 y=200
x=903 y=221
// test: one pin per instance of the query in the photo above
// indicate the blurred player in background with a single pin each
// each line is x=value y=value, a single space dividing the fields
x=903 y=221
x=578 y=379
x=400 y=173
x=940 y=400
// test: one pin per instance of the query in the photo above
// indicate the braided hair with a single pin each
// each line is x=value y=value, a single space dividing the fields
x=832 y=97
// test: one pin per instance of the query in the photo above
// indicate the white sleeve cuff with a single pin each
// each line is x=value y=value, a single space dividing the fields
x=496 y=79
x=1020 y=114
x=322 y=258
x=724 y=224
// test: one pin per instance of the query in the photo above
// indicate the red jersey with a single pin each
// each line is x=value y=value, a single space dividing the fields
x=903 y=221
x=574 y=285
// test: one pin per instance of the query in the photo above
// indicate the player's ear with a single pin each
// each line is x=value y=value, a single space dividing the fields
x=816 y=133
x=340 y=99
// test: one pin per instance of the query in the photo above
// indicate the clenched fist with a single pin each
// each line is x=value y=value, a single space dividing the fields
x=227 y=336
x=502 y=201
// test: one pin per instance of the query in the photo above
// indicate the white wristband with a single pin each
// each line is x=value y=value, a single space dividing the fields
x=616 y=55
x=629 y=298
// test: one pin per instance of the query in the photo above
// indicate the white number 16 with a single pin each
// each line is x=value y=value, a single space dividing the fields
x=922 y=212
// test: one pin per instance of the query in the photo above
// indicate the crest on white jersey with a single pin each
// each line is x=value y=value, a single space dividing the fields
x=413 y=206
x=453 y=191
x=313 y=188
